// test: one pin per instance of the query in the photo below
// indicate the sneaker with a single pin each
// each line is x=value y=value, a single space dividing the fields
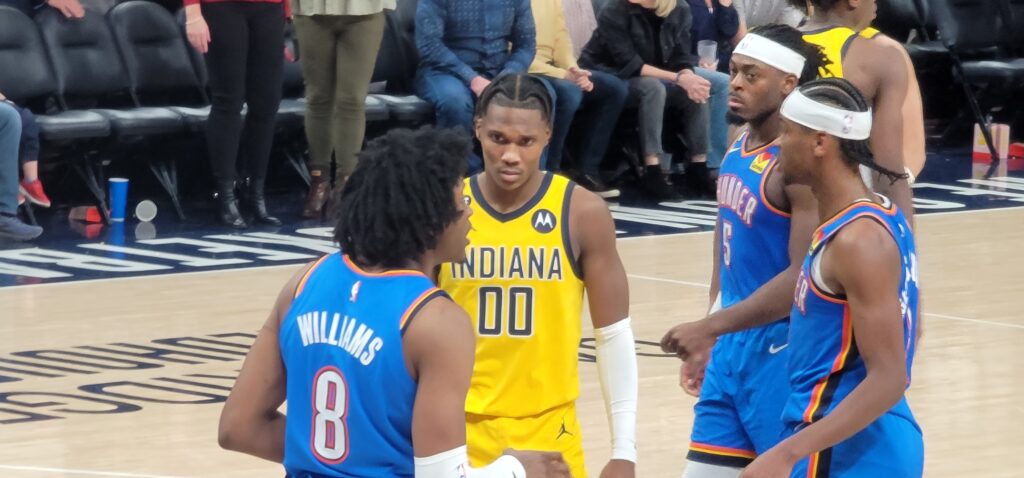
x=596 y=186
x=12 y=228
x=34 y=192
x=657 y=184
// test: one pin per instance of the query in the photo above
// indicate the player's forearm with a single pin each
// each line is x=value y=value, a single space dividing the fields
x=878 y=393
x=261 y=438
x=769 y=303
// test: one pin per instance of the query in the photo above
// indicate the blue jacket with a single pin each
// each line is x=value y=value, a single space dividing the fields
x=457 y=38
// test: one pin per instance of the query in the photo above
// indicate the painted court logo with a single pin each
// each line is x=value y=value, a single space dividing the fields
x=544 y=221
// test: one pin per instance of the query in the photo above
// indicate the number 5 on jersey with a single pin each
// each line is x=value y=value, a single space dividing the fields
x=726 y=247
x=505 y=311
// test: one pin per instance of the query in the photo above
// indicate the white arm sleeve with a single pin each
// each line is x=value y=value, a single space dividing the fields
x=616 y=367
x=454 y=463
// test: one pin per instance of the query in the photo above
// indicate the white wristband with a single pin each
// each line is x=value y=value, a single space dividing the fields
x=454 y=463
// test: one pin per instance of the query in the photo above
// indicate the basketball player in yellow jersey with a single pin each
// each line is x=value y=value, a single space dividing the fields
x=881 y=69
x=537 y=242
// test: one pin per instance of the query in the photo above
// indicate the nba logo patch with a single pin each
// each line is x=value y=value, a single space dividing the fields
x=355 y=291
x=760 y=162
x=544 y=221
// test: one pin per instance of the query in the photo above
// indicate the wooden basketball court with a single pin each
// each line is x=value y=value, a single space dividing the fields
x=114 y=419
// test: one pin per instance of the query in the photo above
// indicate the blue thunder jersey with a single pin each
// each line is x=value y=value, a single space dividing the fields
x=754 y=233
x=824 y=365
x=350 y=395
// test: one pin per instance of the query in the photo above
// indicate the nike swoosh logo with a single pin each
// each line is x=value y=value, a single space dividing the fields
x=772 y=349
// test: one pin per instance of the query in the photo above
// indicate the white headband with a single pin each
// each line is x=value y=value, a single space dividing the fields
x=821 y=117
x=772 y=53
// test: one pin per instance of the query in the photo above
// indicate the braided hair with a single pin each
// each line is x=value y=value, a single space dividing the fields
x=793 y=39
x=840 y=93
x=517 y=91
x=399 y=201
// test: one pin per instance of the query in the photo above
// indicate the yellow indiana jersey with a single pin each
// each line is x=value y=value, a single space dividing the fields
x=522 y=288
x=835 y=41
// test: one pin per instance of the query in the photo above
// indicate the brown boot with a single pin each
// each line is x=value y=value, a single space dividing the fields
x=332 y=202
x=319 y=190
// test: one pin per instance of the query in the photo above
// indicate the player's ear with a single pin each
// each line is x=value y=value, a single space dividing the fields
x=854 y=4
x=478 y=123
x=790 y=84
x=821 y=140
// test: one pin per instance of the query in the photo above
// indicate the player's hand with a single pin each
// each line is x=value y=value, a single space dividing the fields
x=478 y=84
x=697 y=88
x=619 y=469
x=691 y=377
x=689 y=341
x=772 y=464
x=541 y=464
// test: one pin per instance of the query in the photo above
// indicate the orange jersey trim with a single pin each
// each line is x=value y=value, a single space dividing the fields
x=837 y=365
x=306 y=276
x=398 y=272
x=722 y=450
x=415 y=306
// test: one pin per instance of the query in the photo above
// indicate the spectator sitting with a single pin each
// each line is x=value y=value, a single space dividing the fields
x=31 y=187
x=602 y=96
x=763 y=12
x=717 y=21
x=647 y=42
x=463 y=45
x=10 y=136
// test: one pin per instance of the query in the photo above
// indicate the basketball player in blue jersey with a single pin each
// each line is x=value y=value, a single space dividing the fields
x=373 y=360
x=855 y=310
x=764 y=228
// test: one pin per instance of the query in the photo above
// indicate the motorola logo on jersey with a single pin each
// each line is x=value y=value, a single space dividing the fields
x=544 y=221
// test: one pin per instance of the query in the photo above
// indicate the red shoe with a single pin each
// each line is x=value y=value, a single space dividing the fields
x=21 y=199
x=34 y=192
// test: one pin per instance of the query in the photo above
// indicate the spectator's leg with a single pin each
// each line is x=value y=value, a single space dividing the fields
x=453 y=105
x=10 y=135
x=359 y=39
x=28 y=155
x=263 y=95
x=694 y=123
x=567 y=101
x=601 y=107
x=318 y=43
x=226 y=63
x=718 y=127
x=651 y=93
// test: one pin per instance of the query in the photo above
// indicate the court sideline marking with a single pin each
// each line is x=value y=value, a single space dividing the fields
x=278 y=266
x=927 y=314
